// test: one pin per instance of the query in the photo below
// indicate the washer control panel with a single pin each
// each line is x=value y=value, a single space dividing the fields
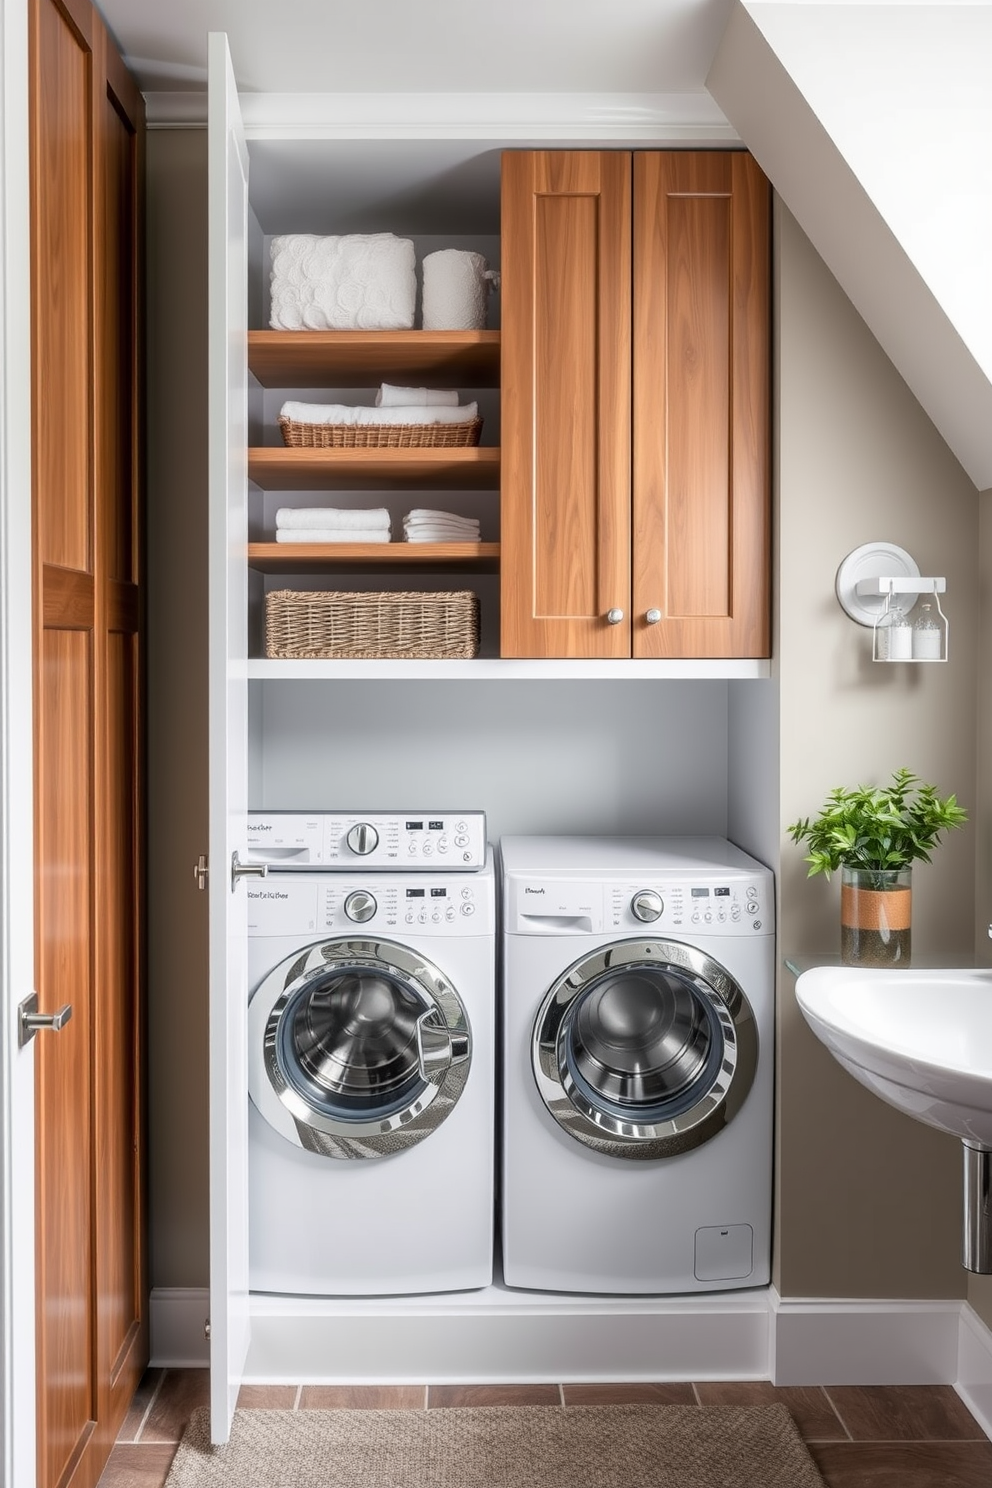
x=734 y=904
x=452 y=841
x=398 y=904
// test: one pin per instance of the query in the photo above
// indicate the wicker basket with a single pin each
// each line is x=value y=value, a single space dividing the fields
x=298 y=435
x=370 y=625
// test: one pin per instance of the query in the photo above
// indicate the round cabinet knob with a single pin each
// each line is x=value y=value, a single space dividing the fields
x=614 y=616
x=647 y=905
x=362 y=838
x=360 y=906
x=652 y=616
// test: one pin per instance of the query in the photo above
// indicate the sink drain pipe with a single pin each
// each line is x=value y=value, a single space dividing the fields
x=977 y=1208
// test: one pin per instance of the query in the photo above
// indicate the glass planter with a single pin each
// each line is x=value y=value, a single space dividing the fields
x=875 y=915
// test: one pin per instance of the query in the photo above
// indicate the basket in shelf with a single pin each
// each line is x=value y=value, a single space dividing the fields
x=369 y=626
x=297 y=435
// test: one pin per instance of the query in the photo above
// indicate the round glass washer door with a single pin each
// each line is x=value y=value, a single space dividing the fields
x=644 y=1049
x=357 y=1048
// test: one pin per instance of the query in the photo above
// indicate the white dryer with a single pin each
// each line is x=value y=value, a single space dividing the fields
x=638 y=1021
x=371 y=1034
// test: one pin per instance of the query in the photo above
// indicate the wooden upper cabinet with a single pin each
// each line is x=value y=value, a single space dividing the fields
x=635 y=405
x=565 y=403
x=701 y=504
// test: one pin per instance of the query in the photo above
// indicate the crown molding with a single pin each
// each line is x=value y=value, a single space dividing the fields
x=684 y=118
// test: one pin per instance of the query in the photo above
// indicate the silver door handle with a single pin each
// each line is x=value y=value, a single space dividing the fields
x=652 y=616
x=30 y=1021
x=614 y=616
x=245 y=870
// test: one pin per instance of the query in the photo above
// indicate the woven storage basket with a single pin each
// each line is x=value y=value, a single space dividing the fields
x=298 y=435
x=371 y=625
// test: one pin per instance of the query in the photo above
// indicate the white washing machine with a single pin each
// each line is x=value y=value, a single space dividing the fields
x=638 y=1021
x=371 y=1034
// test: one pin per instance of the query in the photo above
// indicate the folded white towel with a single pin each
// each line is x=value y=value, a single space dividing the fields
x=456 y=284
x=414 y=530
x=331 y=535
x=347 y=413
x=441 y=535
x=403 y=397
x=298 y=517
x=424 y=514
x=359 y=281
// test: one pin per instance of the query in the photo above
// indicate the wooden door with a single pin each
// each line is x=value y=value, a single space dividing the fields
x=85 y=139
x=228 y=727
x=565 y=404
x=701 y=498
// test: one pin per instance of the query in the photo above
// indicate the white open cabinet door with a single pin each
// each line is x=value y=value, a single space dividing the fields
x=18 y=1446
x=228 y=708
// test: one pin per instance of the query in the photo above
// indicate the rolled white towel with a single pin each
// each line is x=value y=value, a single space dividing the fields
x=301 y=517
x=456 y=284
x=404 y=397
x=331 y=535
x=348 y=413
x=358 y=281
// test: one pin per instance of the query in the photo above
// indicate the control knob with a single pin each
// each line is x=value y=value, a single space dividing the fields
x=362 y=838
x=646 y=905
x=360 y=906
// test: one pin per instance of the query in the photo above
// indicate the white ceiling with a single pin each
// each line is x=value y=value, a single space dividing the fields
x=376 y=46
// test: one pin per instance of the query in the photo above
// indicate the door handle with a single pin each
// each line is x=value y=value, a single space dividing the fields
x=30 y=1021
x=245 y=870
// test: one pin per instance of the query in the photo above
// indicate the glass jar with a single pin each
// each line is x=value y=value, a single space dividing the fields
x=894 y=636
x=927 y=635
x=875 y=915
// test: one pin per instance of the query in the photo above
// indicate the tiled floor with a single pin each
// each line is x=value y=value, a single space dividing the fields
x=861 y=1437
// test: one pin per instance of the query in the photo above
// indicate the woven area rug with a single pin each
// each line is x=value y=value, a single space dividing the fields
x=610 y=1446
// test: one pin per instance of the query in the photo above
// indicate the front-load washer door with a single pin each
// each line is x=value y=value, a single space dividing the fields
x=357 y=1048
x=644 y=1049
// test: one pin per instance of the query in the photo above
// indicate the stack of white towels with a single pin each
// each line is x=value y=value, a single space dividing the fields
x=330 y=524
x=424 y=525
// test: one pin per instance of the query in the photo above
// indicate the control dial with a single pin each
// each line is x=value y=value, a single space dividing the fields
x=646 y=905
x=360 y=906
x=362 y=838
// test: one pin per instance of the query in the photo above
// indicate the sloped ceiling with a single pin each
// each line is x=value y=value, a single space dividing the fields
x=874 y=123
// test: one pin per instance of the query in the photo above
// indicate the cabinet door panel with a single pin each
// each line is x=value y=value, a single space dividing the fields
x=701 y=405
x=565 y=398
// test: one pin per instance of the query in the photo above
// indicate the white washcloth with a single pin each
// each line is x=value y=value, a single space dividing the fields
x=331 y=535
x=403 y=397
x=456 y=284
x=359 y=281
x=424 y=514
x=347 y=413
x=298 y=517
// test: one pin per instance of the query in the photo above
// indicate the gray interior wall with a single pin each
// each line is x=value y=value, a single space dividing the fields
x=868 y=1200
x=980 y=1287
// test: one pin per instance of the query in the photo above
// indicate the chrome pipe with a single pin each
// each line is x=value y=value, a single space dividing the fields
x=977 y=1209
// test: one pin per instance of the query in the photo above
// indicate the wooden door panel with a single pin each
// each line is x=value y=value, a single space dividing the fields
x=66 y=1337
x=701 y=405
x=565 y=388
x=118 y=305
x=61 y=299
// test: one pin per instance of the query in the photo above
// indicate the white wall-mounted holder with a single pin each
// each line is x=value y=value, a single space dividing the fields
x=877 y=581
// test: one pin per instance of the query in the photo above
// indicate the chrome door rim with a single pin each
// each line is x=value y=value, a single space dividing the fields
x=615 y=1134
x=444 y=1079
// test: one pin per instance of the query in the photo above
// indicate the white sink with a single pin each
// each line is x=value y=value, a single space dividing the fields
x=922 y=1040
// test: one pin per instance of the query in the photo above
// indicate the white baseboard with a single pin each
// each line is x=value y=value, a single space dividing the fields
x=501 y=1336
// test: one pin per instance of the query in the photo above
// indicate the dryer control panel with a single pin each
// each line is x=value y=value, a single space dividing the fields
x=732 y=904
x=424 y=841
x=404 y=905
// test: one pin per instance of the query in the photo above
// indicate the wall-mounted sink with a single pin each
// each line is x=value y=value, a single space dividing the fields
x=922 y=1040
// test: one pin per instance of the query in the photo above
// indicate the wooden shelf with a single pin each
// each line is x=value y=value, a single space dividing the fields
x=280 y=469
x=366 y=358
x=276 y=558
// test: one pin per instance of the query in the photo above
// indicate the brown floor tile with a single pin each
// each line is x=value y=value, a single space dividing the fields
x=903 y=1413
x=363 y=1397
x=132 y=1466
x=808 y=1404
x=136 y=1411
x=267 y=1397
x=454 y=1395
x=638 y=1392
x=904 y=1464
x=183 y=1390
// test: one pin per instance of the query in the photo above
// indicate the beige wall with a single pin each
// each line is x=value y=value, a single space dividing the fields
x=980 y=1287
x=868 y=1201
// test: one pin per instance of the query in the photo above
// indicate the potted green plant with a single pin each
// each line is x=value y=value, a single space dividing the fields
x=874 y=834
